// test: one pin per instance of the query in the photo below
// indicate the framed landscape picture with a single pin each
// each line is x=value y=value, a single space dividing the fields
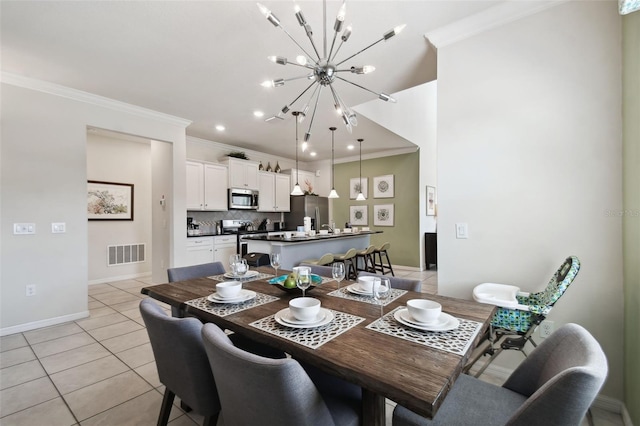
x=354 y=187
x=431 y=201
x=109 y=200
x=383 y=187
x=383 y=215
x=358 y=215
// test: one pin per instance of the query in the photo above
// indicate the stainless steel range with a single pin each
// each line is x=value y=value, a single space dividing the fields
x=239 y=228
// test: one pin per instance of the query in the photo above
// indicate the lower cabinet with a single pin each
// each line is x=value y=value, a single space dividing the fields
x=199 y=250
x=224 y=246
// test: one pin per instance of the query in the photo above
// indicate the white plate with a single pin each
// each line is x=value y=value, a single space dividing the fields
x=242 y=297
x=357 y=289
x=283 y=317
x=445 y=322
x=247 y=275
x=288 y=317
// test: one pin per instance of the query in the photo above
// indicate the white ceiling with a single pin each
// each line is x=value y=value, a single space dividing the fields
x=204 y=60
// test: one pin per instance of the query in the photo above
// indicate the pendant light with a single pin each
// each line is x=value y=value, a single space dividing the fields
x=360 y=196
x=333 y=193
x=296 y=189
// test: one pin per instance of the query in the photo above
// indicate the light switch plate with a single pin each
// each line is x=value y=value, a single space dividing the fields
x=24 y=228
x=58 y=228
x=462 y=231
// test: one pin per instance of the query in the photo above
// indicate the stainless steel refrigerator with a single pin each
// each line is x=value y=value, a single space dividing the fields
x=317 y=208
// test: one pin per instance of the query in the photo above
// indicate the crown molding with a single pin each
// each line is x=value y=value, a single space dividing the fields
x=90 y=98
x=495 y=16
x=379 y=154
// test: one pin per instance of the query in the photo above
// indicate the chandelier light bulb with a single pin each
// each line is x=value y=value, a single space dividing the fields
x=366 y=69
x=305 y=145
x=301 y=60
x=267 y=83
x=342 y=12
x=278 y=60
x=393 y=32
x=270 y=16
x=346 y=34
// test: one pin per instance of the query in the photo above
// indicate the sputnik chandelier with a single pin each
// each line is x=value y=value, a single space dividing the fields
x=323 y=69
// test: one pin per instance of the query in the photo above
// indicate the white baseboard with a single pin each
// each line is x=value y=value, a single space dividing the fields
x=43 y=323
x=407 y=268
x=120 y=278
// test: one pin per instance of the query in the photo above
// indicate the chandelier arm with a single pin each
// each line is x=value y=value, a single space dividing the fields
x=337 y=50
x=300 y=95
x=324 y=27
x=307 y=136
x=296 y=42
x=363 y=88
x=335 y=35
x=359 y=52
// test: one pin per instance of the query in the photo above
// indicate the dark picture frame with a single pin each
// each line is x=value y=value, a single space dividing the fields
x=109 y=200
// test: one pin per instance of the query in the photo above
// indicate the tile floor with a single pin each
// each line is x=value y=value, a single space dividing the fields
x=100 y=370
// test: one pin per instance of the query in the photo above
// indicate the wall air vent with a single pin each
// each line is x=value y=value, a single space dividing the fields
x=125 y=254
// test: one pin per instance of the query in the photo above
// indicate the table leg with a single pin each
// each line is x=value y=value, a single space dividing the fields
x=373 y=409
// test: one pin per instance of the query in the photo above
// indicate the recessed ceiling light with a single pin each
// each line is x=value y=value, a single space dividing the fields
x=220 y=128
x=312 y=153
x=258 y=114
x=350 y=146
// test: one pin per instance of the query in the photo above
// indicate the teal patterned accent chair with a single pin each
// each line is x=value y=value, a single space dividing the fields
x=514 y=323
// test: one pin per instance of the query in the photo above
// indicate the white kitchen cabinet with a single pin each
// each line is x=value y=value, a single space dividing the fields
x=224 y=246
x=206 y=186
x=274 y=191
x=307 y=180
x=242 y=173
x=199 y=251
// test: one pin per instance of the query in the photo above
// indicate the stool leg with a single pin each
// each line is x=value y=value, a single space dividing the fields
x=388 y=262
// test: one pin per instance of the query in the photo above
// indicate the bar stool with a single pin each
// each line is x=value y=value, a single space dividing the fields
x=378 y=264
x=348 y=259
x=325 y=259
x=366 y=255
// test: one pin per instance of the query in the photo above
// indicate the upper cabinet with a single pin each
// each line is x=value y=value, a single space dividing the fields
x=274 y=189
x=307 y=180
x=206 y=186
x=242 y=173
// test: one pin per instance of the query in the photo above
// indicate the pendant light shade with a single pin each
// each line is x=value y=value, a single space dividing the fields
x=296 y=189
x=333 y=193
x=360 y=196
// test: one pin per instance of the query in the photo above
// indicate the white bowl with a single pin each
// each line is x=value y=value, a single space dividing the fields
x=300 y=234
x=288 y=235
x=228 y=289
x=304 y=308
x=323 y=232
x=423 y=310
x=366 y=283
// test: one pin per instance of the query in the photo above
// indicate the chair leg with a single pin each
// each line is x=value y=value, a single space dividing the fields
x=165 y=409
x=185 y=407
x=386 y=255
x=211 y=420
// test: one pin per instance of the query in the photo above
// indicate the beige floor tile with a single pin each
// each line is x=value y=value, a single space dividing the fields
x=146 y=280
x=126 y=284
x=115 y=298
x=55 y=412
x=95 y=304
x=106 y=394
x=185 y=420
x=114 y=330
x=69 y=359
x=51 y=333
x=13 y=341
x=95 y=289
x=126 y=341
x=140 y=411
x=87 y=374
x=101 y=311
x=62 y=344
x=127 y=306
x=149 y=372
x=16 y=356
x=26 y=395
x=91 y=323
x=21 y=373
x=135 y=357
x=134 y=314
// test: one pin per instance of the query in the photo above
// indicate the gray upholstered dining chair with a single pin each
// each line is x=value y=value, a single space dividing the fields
x=323 y=271
x=401 y=283
x=182 y=363
x=263 y=391
x=190 y=272
x=554 y=385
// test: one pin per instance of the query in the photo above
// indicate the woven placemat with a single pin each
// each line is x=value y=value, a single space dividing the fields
x=259 y=276
x=224 y=309
x=346 y=294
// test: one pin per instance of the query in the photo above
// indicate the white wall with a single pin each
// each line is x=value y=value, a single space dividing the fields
x=44 y=178
x=529 y=155
x=115 y=160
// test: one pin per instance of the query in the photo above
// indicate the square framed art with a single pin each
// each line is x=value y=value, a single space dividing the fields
x=431 y=201
x=358 y=215
x=354 y=187
x=383 y=186
x=383 y=215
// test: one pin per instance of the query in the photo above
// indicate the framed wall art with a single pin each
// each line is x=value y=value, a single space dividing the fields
x=383 y=215
x=109 y=200
x=359 y=215
x=354 y=187
x=383 y=187
x=431 y=201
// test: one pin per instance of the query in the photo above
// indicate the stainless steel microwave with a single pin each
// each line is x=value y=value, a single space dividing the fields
x=243 y=199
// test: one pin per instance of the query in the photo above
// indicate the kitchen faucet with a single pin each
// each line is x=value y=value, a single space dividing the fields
x=330 y=228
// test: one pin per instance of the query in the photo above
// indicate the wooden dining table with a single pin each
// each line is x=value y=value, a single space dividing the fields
x=385 y=365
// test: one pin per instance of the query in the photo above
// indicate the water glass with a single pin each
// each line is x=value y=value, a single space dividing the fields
x=337 y=272
x=233 y=260
x=381 y=292
x=275 y=261
x=304 y=279
x=242 y=267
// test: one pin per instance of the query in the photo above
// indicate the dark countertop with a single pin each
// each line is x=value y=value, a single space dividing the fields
x=317 y=237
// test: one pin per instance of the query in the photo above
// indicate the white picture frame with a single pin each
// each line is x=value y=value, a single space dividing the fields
x=354 y=186
x=383 y=186
x=383 y=215
x=431 y=200
x=359 y=215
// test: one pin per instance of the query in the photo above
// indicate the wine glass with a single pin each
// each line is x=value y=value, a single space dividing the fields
x=381 y=291
x=304 y=279
x=233 y=261
x=275 y=261
x=242 y=267
x=337 y=272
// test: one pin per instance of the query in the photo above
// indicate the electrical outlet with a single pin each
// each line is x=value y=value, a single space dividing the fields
x=545 y=328
x=30 y=290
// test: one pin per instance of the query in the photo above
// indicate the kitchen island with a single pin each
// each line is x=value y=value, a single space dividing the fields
x=296 y=249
